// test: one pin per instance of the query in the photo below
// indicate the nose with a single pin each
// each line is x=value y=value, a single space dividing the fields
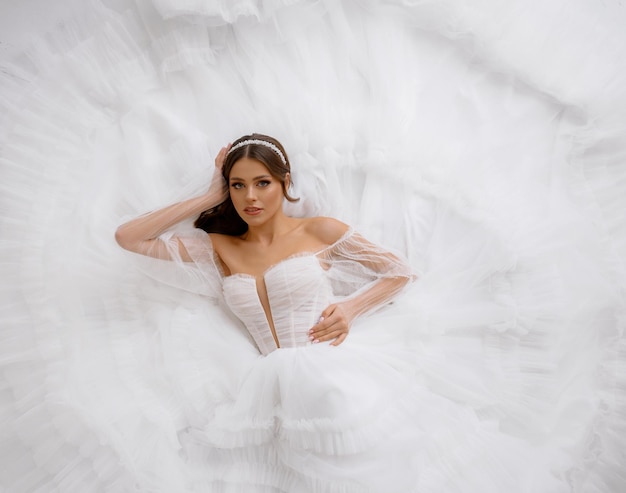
x=250 y=194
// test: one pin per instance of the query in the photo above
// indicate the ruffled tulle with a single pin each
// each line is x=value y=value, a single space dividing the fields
x=349 y=420
x=485 y=141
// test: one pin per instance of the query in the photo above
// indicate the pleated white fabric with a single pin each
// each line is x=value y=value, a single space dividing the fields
x=483 y=140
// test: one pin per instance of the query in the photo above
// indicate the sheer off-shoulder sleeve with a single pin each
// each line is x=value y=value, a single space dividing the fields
x=365 y=276
x=175 y=252
x=191 y=263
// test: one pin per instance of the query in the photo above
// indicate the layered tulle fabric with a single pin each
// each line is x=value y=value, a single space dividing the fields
x=483 y=140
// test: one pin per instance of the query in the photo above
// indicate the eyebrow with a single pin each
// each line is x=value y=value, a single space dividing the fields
x=253 y=179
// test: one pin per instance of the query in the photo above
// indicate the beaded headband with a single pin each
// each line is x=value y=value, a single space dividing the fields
x=259 y=142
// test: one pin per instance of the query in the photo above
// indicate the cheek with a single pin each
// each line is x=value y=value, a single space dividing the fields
x=278 y=193
x=237 y=198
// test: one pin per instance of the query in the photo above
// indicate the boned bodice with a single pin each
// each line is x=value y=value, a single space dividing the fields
x=298 y=291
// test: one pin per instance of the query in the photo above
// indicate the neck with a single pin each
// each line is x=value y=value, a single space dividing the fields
x=267 y=232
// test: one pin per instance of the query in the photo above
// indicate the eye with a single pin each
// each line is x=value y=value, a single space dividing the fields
x=237 y=185
x=263 y=183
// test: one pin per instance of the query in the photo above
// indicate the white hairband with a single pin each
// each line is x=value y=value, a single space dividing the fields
x=259 y=142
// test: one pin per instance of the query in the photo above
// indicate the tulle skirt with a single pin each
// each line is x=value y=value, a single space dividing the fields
x=350 y=419
x=485 y=141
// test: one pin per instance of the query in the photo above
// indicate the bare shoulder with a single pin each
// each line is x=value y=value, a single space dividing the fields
x=223 y=243
x=224 y=247
x=218 y=238
x=326 y=229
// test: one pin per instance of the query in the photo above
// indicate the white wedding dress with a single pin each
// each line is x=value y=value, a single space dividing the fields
x=483 y=141
x=353 y=418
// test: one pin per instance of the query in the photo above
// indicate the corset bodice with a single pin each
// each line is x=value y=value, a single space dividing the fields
x=298 y=291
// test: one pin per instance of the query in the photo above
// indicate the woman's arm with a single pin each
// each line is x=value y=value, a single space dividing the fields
x=336 y=319
x=141 y=235
x=391 y=275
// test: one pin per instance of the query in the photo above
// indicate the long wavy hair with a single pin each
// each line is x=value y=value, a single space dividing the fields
x=224 y=218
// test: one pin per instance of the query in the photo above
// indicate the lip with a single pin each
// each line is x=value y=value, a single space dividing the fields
x=252 y=211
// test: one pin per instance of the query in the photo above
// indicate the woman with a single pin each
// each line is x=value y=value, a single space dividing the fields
x=308 y=415
x=311 y=418
x=258 y=235
x=491 y=159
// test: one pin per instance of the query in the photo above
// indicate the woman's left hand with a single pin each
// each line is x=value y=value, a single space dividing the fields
x=221 y=156
x=334 y=325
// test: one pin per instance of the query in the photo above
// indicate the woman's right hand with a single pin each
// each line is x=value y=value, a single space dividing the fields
x=221 y=157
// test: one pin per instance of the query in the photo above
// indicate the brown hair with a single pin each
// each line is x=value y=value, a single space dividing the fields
x=223 y=218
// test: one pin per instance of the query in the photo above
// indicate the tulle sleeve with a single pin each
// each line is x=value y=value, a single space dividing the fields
x=364 y=275
x=173 y=251
x=198 y=272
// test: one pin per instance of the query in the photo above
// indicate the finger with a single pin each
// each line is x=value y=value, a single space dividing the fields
x=330 y=333
x=324 y=327
x=222 y=154
x=329 y=337
x=330 y=309
x=323 y=321
x=339 y=339
x=336 y=328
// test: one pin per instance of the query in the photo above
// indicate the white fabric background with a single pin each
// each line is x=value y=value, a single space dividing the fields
x=485 y=140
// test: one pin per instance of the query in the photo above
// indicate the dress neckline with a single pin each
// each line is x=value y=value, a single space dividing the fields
x=264 y=274
x=291 y=257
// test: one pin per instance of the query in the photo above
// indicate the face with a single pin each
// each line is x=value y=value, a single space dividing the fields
x=255 y=193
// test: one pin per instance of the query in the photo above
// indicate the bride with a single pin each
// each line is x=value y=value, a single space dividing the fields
x=251 y=235
x=309 y=415
x=318 y=414
x=484 y=141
